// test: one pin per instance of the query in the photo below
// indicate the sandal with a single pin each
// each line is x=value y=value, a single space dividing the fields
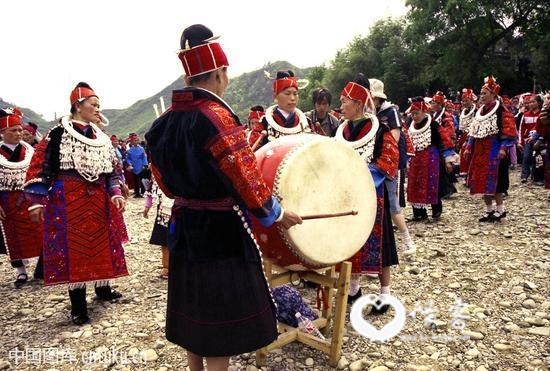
x=21 y=279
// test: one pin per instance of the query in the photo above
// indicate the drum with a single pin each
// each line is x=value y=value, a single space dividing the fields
x=312 y=175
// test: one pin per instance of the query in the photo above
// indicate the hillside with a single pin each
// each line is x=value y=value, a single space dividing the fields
x=139 y=116
x=29 y=115
x=244 y=91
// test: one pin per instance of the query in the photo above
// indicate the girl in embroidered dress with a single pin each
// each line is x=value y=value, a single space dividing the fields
x=375 y=143
x=73 y=188
x=18 y=238
x=466 y=117
x=492 y=134
x=284 y=118
x=434 y=154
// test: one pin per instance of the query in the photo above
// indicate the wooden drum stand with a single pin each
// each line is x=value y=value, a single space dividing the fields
x=332 y=285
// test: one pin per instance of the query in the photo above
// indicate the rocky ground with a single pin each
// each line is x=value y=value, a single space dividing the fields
x=501 y=271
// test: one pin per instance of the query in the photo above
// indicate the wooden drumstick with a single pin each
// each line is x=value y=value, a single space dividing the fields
x=333 y=215
x=256 y=144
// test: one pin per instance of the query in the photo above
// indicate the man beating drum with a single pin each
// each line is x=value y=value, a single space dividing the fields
x=218 y=298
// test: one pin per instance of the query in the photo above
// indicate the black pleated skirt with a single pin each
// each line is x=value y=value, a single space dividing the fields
x=159 y=236
x=220 y=307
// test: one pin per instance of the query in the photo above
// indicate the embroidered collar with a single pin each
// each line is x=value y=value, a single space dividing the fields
x=421 y=138
x=479 y=116
x=438 y=118
x=301 y=127
x=100 y=137
x=365 y=145
x=464 y=115
x=18 y=164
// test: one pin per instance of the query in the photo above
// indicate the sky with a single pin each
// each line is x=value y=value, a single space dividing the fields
x=126 y=50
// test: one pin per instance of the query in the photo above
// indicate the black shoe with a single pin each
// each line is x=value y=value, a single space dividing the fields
x=383 y=309
x=21 y=280
x=352 y=298
x=80 y=319
x=419 y=218
x=524 y=180
x=488 y=217
x=105 y=293
x=436 y=216
x=497 y=217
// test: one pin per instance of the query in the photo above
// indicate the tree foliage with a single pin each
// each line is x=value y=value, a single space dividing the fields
x=450 y=44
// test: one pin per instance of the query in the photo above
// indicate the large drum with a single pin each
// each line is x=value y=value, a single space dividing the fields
x=313 y=175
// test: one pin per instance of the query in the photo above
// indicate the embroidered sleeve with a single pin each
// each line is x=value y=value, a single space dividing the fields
x=388 y=161
x=408 y=142
x=235 y=159
x=113 y=184
x=45 y=160
x=448 y=123
x=508 y=127
x=255 y=135
x=446 y=141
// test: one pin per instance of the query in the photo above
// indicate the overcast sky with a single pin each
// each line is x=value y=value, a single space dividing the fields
x=126 y=50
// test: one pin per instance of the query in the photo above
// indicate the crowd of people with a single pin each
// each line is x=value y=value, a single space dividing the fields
x=198 y=164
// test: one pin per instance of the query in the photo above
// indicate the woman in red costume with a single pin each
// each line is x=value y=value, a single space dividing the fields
x=73 y=188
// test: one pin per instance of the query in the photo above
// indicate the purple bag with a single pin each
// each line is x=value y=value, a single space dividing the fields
x=289 y=301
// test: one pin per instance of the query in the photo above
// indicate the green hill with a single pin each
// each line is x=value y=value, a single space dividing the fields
x=138 y=117
x=244 y=91
x=28 y=115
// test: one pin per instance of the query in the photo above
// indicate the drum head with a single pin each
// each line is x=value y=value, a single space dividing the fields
x=321 y=177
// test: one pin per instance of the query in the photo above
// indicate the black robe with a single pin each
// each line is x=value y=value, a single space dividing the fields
x=218 y=299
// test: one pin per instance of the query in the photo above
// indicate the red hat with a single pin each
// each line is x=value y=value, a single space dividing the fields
x=30 y=129
x=506 y=101
x=203 y=58
x=439 y=97
x=13 y=117
x=113 y=137
x=255 y=115
x=79 y=94
x=418 y=106
x=491 y=85
x=449 y=103
x=284 y=83
x=133 y=137
x=528 y=97
x=468 y=94
x=356 y=92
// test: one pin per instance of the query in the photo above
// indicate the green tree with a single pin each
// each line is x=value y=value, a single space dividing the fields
x=315 y=77
x=461 y=41
x=383 y=54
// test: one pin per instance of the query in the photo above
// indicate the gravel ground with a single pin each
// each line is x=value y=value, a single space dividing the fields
x=500 y=272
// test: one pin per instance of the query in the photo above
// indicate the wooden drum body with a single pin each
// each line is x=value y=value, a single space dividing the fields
x=310 y=175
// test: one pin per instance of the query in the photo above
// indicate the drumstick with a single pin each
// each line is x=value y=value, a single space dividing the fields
x=333 y=215
x=257 y=142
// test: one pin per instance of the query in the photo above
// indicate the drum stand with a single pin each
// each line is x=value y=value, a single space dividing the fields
x=332 y=285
